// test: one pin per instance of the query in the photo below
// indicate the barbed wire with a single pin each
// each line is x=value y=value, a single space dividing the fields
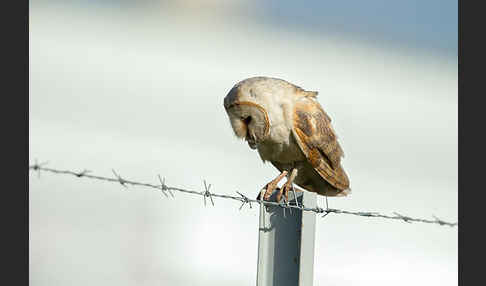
x=39 y=167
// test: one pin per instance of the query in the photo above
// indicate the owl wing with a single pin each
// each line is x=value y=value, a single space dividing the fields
x=316 y=138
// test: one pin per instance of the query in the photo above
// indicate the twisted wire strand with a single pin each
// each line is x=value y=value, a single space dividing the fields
x=241 y=198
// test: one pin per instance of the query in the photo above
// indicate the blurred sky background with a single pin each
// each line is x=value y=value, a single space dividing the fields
x=138 y=86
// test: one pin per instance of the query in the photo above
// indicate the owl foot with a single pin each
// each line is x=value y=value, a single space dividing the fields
x=270 y=187
x=287 y=187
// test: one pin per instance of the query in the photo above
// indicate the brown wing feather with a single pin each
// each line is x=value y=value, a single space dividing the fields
x=318 y=141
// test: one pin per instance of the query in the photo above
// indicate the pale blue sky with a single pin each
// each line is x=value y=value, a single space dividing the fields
x=430 y=24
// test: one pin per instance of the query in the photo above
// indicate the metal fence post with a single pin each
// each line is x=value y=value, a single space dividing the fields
x=286 y=243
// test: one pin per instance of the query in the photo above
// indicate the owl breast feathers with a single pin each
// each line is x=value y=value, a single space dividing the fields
x=289 y=128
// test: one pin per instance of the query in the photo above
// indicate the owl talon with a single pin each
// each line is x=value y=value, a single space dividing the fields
x=285 y=192
x=270 y=187
x=287 y=186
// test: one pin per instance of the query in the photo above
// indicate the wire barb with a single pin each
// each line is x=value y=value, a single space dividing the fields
x=82 y=173
x=120 y=179
x=163 y=187
x=402 y=217
x=245 y=200
x=325 y=213
x=206 y=193
x=441 y=222
x=38 y=167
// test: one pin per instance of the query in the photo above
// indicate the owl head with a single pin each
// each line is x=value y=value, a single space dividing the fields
x=254 y=104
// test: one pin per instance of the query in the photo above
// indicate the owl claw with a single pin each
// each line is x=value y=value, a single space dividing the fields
x=270 y=187
x=287 y=187
x=284 y=191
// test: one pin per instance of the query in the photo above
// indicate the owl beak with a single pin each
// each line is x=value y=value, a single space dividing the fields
x=249 y=137
x=252 y=144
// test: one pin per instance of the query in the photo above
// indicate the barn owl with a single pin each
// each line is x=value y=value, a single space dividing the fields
x=289 y=128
